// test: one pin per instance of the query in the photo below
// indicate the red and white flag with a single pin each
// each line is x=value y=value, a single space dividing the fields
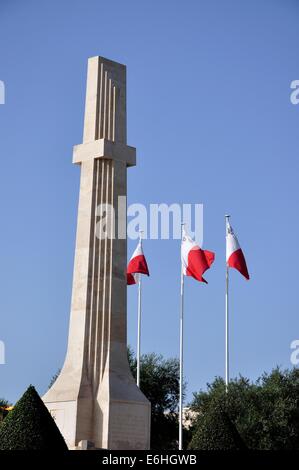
x=234 y=254
x=137 y=265
x=195 y=261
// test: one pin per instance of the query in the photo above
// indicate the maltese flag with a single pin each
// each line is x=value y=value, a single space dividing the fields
x=137 y=265
x=234 y=254
x=195 y=261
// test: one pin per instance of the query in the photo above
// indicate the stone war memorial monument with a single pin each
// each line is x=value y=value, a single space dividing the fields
x=95 y=398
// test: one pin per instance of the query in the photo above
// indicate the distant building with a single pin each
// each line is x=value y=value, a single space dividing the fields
x=188 y=417
x=4 y=410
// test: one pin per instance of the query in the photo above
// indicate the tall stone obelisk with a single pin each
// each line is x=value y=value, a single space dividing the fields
x=95 y=397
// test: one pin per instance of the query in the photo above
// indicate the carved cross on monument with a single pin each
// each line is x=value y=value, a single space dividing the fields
x=95 y=397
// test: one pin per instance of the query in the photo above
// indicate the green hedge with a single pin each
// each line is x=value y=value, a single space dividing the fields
x=29 y=426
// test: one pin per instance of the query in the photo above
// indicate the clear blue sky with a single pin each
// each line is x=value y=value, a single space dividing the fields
x=210 y=114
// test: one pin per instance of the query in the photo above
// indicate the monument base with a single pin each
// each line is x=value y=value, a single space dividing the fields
x=116 y=418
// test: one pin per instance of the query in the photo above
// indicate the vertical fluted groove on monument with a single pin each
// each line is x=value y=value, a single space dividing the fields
x=104 y=278
x=99 y=276
x=118 y=311
x=105 y=101
x=90 y=285
x=108 y=98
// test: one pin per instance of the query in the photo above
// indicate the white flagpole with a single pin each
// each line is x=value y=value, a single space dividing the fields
x=139 y=330
x=181 y=354
x=139 y=324
x=226 y=315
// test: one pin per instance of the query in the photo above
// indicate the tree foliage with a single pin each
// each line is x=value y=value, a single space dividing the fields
x=159 y=381
x=265 y=414
x=29 y=426
x=4 y=402
x=54 y=378
x=3 y=411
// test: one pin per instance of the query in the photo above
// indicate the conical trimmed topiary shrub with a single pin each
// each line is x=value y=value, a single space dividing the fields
x=29 y=426
x=214 y=430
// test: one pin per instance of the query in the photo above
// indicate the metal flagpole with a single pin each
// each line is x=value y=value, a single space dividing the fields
x=139 y=324
x=227 y=316
x=139 y=330
x=181 y=354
